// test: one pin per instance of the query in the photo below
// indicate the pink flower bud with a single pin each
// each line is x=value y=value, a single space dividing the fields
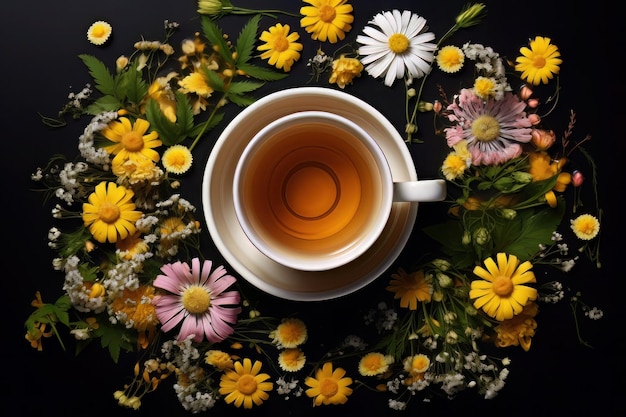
x=525 y=92
x=534 y=118
x=532 y=103
x=542 y=139
x=437 y=106
x=577 y=178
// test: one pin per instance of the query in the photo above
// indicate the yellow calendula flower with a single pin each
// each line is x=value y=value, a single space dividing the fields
x=410 y=288
x=450 y=59
x=327 y=20
x=280 y=47
x=374 y=363
x=99 y=32
x=328 y=386
x=291 y=359
x=110 y=212
x=585 y=226
x=501 y=292
x=219 y=359
x=484 y=87
x=539 y=62
x=519 y=329
x=290 y=333
x=245 y=384
x=177 y=159
x=345 y=70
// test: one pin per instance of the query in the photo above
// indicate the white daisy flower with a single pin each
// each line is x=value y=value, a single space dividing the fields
x=400 y=45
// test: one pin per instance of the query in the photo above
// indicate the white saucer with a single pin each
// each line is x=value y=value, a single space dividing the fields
x=243 y=256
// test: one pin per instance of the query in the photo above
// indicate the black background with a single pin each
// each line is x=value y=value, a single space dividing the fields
x=40 y=43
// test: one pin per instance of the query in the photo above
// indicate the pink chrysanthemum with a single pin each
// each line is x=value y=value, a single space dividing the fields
x=494 y=129
x=196 y=299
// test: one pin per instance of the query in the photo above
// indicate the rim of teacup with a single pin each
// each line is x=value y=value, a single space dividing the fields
x=357 y=249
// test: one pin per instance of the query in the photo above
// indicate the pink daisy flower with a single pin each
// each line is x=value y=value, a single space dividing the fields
x=494 y=129
x=196 y=299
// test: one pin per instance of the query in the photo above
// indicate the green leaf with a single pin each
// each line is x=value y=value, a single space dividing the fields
x=241 y=87
x=261 y=73
x=115 y=338
x=201 y=128
x=171 y=133
x=241 y=101
x=523 y=235
x=246 y=40
x=450 y=236
x=215 y=37
x=105 y=83
x=214 y=80
x=103 y=104
x=132 y=86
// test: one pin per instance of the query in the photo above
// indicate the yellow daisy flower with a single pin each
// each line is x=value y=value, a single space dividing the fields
x=110 y=213
x=501 y=293
x=540 y=62
x=327 y=20
x=328 y=386
x=450 y=59
x=195 y=83
x=585 y=226
x=130 y=141
x=290 y=333
x=291 y=360
x=177 y=159
x=245 y=385
x=280 y=47
x=132 y=245
x=99 y=32
x=484 y=87
x=374 y=363
x=410 y=288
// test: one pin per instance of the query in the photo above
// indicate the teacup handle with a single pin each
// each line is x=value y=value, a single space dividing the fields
x=422 y=190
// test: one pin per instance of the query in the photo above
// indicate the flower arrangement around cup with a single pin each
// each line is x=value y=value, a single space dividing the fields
x=136 y=280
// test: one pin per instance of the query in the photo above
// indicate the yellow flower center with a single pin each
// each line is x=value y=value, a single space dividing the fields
x=503 y=286
x=539 y=61
x=99 y=31
x=328 y=387
x=132 y=141
x=246 y=384
x=486 y=128
x=108 y=212
x=398 y=43
x=327 y=13
x=196 y=300
x=281 y=44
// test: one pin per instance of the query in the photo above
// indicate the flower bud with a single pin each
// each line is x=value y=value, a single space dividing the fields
x=482 y=236
x=542 y=139
x=437 y=106
x=121 y=63
x=509 y=214
x=577 y=178
x=471 y=15
x=424 y=106
x=525 y=92
x=534 y=119
x=467 y=238
x=444 y=280
x=533 y=103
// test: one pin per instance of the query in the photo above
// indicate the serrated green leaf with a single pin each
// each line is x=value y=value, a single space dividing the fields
x=104 y=81
x=103 y=104
x=450 y=236
x=242 y=87
x=241 y=100
x=114 y=338
x=246 y=40
x=202 y=129
x=215 y=36
x=261 y=73
x=132 y=86
x=184 y=114
x=214 y=80
x=168 y=131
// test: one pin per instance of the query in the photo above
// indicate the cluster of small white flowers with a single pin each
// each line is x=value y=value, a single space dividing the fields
x=181 y=353
x=477 y=363
x=97 y=156
x=288 y=388
x=496 y=384
x=594 y=313
x=355 y=342
x=76 y=99
x=123 y=275
x=193 y=400
x=489 y=63
x=397 y=405
x=53 y=236
x=383 y=317
x=452 y=383
x=551 y=292
x=76 y=290
x=70 y=184
x=81 y=334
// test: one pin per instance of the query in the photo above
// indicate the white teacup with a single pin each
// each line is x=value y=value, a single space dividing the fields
x=313 y=191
